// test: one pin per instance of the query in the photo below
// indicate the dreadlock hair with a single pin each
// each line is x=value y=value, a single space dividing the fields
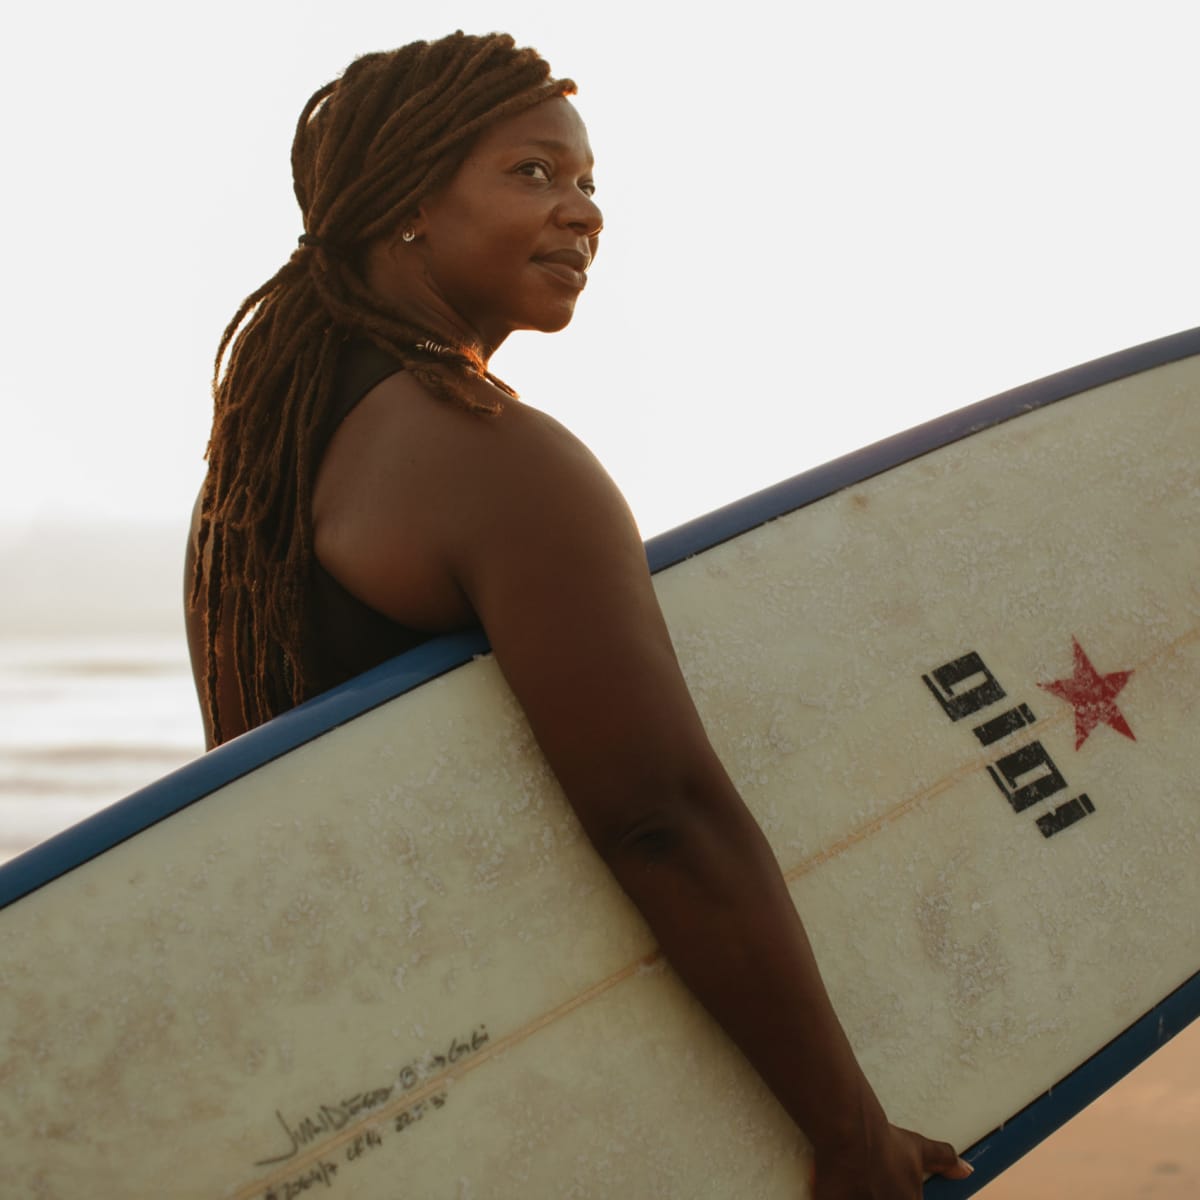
x=368 y=148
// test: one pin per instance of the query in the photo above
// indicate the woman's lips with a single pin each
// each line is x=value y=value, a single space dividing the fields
x=567 y=263
x=562 y=271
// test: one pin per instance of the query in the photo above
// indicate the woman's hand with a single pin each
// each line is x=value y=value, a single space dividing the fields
x=892 y=1165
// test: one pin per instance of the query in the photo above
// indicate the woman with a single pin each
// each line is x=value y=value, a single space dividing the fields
x=371 y=484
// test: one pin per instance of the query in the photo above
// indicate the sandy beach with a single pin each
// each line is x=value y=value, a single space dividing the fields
x=1137 y=1142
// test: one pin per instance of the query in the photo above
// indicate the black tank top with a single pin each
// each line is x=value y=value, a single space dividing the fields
x=348 y=636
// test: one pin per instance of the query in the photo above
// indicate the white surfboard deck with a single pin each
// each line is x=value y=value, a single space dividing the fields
x=365 y=951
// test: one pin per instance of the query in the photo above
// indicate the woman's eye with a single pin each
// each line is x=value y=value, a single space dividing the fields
x=588 y=188
x=535 y=170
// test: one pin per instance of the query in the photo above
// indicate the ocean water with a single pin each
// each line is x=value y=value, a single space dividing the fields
x=84 y=721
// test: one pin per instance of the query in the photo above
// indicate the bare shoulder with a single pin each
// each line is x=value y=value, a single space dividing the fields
x=400 y=433
x=418 y=502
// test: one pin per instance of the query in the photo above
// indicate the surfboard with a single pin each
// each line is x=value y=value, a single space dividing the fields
x=365 y=950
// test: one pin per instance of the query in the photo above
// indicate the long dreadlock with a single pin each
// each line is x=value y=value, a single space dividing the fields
x=368 y=148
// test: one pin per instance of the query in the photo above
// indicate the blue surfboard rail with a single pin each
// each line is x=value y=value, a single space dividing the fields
x=996 y=1152
x=82 y=842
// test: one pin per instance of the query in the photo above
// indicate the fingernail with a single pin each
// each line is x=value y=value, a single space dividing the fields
x=962 y=1162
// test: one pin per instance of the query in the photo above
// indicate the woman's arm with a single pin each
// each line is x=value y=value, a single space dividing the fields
x=538 y=542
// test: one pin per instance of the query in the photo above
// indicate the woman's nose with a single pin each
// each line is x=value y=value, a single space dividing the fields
x=583 y=214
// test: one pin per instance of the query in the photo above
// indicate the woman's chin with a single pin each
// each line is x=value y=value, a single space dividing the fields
x=557 y=318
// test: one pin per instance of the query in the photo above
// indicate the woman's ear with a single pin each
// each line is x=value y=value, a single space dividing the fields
x=416 y=224
x=397 y=245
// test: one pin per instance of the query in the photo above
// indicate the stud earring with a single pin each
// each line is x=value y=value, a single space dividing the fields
x=408 y=236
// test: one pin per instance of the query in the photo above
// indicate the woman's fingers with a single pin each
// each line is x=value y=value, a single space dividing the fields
x=893 y=1171
x=940 y=1158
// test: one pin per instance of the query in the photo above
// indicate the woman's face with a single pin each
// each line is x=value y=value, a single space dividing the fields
x=506 y=244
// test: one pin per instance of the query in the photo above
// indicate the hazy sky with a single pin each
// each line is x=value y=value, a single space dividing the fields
x=824 y=222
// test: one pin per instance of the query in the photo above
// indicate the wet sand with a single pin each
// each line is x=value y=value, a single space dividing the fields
x=1139 y=1141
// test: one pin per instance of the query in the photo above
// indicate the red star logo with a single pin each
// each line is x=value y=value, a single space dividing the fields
x=1091 y=695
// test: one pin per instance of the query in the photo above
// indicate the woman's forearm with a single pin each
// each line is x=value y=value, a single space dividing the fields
x=710 y=888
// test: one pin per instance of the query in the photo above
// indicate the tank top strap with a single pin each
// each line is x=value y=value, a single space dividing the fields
x=361 y=365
